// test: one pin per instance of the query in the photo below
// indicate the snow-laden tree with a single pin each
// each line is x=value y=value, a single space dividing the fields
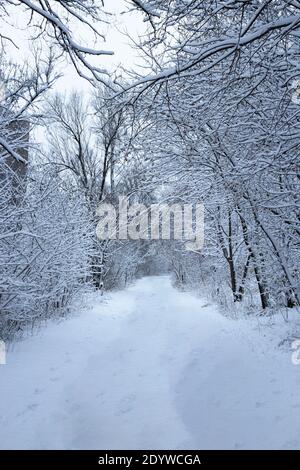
x=223 y=128
x=57 y=23
x=45 y=244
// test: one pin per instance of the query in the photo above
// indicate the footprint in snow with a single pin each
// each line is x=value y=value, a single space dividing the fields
x=278 y=418
x=259 y=404
x=55 y=379
x=127 y=403
x=32 y=407
x=238 y=445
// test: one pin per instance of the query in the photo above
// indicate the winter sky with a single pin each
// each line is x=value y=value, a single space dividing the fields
x=114 y=32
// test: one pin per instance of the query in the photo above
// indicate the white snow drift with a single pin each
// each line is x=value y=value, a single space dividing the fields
x=150 y=367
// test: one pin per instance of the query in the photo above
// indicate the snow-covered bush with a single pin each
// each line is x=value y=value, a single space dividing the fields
x=45 y=243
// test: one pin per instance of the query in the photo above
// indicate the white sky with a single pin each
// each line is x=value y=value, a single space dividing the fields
x=124 y=56
x=116 y=41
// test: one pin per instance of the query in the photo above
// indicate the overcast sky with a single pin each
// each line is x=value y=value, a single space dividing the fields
x=124 y=56
x=116 y=41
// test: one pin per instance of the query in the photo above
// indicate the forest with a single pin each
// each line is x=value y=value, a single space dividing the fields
x=206 y=113
x=213 y=118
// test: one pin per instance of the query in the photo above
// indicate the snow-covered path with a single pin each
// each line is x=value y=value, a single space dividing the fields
x=150 y=368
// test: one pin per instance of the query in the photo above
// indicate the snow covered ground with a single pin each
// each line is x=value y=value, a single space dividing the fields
x=151 y=367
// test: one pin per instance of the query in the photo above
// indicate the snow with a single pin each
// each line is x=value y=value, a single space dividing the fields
x=54 y=19
x=151 y=367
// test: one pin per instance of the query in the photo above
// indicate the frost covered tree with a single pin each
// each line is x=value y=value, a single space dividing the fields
x=44 y=229
x=222 y=128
